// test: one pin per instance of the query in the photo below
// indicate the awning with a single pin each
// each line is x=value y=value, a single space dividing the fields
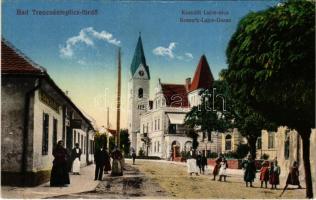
x=176 y=118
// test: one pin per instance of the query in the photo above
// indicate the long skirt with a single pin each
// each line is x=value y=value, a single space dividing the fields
x=107 y=166
x=116 y=168
x=216 y=169
x=192 y=167
x=76 y=166
x=59 y=175
x=292 y=179
x=274 y=179
x=222 y=171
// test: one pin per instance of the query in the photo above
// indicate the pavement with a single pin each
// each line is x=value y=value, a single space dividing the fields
x=78 y=184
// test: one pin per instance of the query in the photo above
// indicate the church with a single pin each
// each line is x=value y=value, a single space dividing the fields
x=156 y=126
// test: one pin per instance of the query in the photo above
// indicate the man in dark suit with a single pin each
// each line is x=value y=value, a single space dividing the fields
x=99 y=160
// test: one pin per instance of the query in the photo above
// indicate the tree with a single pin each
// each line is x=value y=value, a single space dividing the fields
x=271 y=59
x=124 y=144
x=210 y=115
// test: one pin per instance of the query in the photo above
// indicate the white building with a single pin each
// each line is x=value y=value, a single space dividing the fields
x=35 y=114
x=157 y=126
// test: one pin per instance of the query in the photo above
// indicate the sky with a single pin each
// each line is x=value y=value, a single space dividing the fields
x=79 y=51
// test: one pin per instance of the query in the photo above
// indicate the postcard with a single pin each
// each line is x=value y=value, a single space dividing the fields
x=158 y=99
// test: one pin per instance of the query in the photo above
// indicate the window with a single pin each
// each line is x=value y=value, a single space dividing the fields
x=54 y=133
x=140 y=93
x=271 y=141
x=45 y=134
x=75 y=136
x=155 y=124
x=228 y=142
x=78 y=138
x=286 y=146
x=259 y=143
x=158 y=145
x=209 y=137
x=155 y=147
x=158 y=124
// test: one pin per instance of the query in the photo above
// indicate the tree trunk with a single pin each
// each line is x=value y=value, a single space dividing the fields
x=307 y=166
x=252 y=147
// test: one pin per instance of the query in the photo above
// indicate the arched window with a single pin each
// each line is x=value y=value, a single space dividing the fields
x=228 y=142
x=140 y=93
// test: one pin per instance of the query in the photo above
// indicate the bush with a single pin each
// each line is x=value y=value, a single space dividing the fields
x=141 y=152
x=185 y=154
x=212 y=155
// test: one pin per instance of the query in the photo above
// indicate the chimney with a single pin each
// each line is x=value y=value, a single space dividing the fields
x=187 y=84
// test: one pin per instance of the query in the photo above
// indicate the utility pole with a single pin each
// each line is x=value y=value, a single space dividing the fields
x=118 y=104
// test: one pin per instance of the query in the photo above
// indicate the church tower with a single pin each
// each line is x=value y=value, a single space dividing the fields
x=138 y=92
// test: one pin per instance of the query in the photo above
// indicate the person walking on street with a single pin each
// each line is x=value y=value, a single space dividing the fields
x=199 y=161
x=204 y=163
x=264 y=173
x=293 y=177
x=250 y=170
x=191 y=165
x=75 y=155
x=274 y=173
x=217 y=166
x=222 y=170
x=133 y=156
x=107 y=164
x=59 y=174
x=99 y=159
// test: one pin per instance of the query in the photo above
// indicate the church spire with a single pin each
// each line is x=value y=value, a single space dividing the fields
x=139 y=57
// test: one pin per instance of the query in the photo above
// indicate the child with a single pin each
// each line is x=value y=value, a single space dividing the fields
x=222 y=170
x=264 y=173
x=274 y=172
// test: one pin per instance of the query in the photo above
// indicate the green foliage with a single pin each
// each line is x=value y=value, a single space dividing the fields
x=185 y=154
x=141 y=153
x=271 y=68
x=124 y=141
x=271 y=61
x=242 y=151
x=213 y=155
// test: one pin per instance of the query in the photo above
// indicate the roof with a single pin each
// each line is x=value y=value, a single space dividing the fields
x=139 y=58
x=175 y=95
x=15 y=62
x=203 y=77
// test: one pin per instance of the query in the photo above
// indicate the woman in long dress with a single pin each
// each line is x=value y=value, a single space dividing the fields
x=274 y=172
x=217 y=166
x=192 y=166
x=59 y=175
x=264 y=173
x=76 y=154
x=250 y=171
x=222 y=170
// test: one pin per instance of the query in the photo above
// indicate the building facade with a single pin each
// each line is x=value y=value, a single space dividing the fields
x=156 y=125
x=35 y=114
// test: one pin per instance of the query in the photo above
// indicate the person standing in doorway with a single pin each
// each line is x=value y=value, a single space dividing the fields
x=59 y=175
x=75 y=155
x=99 y=160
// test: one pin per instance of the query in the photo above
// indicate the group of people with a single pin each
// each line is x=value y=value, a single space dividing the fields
x=196 y=164
x=269 y=172
x=102 y=158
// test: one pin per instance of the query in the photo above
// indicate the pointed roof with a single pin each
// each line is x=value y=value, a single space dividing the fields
x=139 y=58
x=203 y=77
